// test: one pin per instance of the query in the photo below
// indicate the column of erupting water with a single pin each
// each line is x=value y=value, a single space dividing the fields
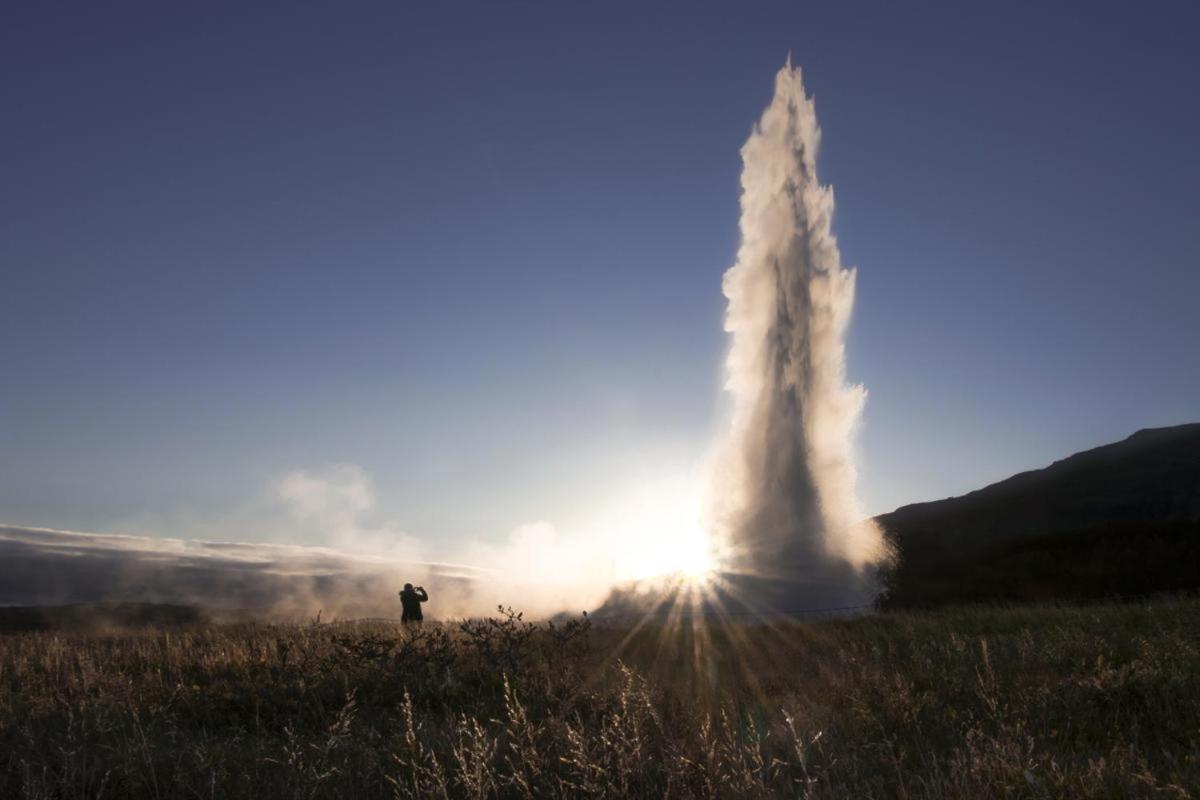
x=794 y=531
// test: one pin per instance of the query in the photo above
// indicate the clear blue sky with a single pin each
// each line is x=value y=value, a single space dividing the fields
x=476 y=249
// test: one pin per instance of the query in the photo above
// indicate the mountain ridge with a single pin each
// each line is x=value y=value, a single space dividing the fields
x=1142 y=436
x=1145 y=485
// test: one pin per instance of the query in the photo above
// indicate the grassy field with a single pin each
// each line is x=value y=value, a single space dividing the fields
x=1097 y=701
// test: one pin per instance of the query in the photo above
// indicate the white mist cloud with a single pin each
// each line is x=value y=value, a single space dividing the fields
x=333 y=505
x=334 y=499
x=542 y=571
x=330 y=506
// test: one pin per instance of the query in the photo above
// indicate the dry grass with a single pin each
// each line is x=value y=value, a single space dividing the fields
x=1100 y=701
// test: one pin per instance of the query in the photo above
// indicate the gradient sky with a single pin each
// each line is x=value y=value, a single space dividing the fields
x=476 y=249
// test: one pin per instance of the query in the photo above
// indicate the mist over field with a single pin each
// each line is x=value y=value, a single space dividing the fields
x=47 y=567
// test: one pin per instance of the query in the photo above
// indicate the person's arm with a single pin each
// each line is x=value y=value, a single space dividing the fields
x=424 y=594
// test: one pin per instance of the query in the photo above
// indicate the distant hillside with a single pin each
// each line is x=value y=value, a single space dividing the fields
x=1122 y=518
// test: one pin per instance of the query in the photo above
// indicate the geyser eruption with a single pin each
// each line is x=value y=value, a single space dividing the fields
x=788 y=517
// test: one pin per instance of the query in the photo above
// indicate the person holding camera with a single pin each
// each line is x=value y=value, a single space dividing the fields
x=411 y=599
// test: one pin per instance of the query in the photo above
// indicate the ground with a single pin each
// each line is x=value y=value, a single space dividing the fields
x=1089 y=701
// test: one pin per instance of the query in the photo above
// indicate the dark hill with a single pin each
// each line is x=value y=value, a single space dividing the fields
x=1119 y=519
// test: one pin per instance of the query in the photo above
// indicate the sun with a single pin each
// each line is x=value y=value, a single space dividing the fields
x=660 y=532
x=678 y=552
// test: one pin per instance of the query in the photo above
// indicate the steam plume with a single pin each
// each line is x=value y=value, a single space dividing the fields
x=789 y=515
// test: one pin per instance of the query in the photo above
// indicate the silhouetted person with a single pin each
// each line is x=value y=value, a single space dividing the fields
x=410 y=600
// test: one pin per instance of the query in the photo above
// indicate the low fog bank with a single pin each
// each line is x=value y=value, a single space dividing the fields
x=51 y=567
x=356 y=571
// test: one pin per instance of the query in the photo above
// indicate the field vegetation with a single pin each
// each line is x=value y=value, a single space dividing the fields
x=1123 y=559
x=1022 y=702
